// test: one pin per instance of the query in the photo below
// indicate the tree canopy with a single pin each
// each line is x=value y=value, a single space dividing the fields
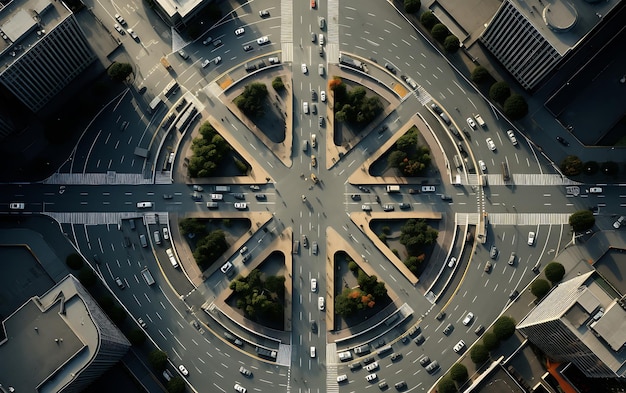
x=480 y=74
x=365 y=296
x=499 y=91
x=582 y=220
x=252 y=100
x=412 y=6
x=458 y=372
x=451 y=43
x=209 y=149
x=416 y=233
x=571 y=166
x=428 y=19
x=554 y=272
x=406 y=155
x=515 y=107
x=439 y=32
x=257 y=296
x=540 y=288
x=354 y=106
x=504 y=327
x=210 y=247
x=479 y=354
x=158 y=360
x=119 y=71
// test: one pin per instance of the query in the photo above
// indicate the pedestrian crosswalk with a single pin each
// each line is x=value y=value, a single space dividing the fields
x=331 y=368
x=332 y=26
x=422 y=95
x=529 y=218
x=98 y=178
x=284 y=355
x=163 y=177
x=531 y=179
x=466 y=219
x=286 y=22
x=92 y=218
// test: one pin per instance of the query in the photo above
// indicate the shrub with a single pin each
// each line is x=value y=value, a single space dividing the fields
x=451 y=43
x=491 y=341
x=610 y=168
x=383 y=238
x=540 y=288
x=591 y=167
x=582 y=220
x=458 y=372
x=241 y=166
x=176 y=385
x=554 y=272
x=480 y=74
x=353 y=266
x=118 y=72
x=278 y=84
x=386 y=230
x=251 y=101
x=137 y=337
x=479 y=354
x=446 y=385
x=499 y=92
x=412 y=6
x=74 y=261
x=571 y=166
x=515 y=107
x=439 y=32
x=504 y=327
x=429 y=20
x=158 y=360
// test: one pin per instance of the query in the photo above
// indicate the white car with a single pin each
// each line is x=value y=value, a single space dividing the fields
x=452 y=262
x=468 y=319
x=119 y=29
x=313 y=140
x=132 y=33
x=217 y=60
x=372 y=366
x=320 y=303
x=595 y=190
x=183 y=370
x=273 y=60
x=243 y=250
x=320 y=69
x=305 y=107
x=304 y=69
x=312 y=352
x=240 y=31
x=323 y=96
x=241 y=205
x=471 y=123
x=371 y=377
x=482 y=165
x=240 y=388
x=144 y=205
x=206 y=63
x=512 y=137
x=263 y=40
x=619 y=222
x=490 y=144
x=342 y=378
x=120 y=19
x=428 y=188
x=207 y=41
x=313 y=285
x=531 y=238
x=459 y=346
x=16 y=206
x=166 y=234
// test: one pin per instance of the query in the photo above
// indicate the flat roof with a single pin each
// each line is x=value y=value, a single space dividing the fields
x=181 y=7
x=24 y=22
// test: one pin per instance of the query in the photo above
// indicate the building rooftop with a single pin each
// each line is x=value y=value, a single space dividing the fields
x=182 y=7
x=24 y=22
x=564 y=23
x=49 y=340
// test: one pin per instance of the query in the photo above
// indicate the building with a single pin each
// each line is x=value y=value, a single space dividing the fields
x=583 y=322
x=59 y=342
x=531 y=37
x=179 y=12
x=42 y=49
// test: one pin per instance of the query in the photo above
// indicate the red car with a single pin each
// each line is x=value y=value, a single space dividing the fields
x=313 y=3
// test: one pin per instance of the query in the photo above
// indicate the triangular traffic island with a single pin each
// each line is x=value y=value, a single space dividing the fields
x=338 y=251
x=267 y=115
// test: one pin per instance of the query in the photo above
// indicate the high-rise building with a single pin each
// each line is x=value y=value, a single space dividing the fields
x=59 y=342
x=42 y=49
x=531 y=37
x=583 y=322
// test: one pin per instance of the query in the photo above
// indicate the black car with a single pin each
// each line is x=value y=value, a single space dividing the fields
x=247 y=48
x=355 y=197
x=448 y=329
x=260 y=197
x=380 y=343
x=396 y=356
x=493 y=252
x=377 y=199
x=355 y=366
x=364 y=189
x=562 y=141
x=167 y=196
x=390 y=68
x=239 y=196
x=419 y=339
x=368 y=360
x=313 y=95
x=425 y=361
x=314 y=326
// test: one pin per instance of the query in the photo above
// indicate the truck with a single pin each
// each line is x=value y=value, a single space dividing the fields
x=170 y=255
x=350 y=62
x=154 y=104
x=166 y=64
x=266 y=353
x=479 y=120
x=147 y=276
x=393 y=188
x=296 y=247
x=222 y=188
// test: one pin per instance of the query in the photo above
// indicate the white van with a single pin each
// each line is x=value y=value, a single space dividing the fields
x=305 y=107
x=144 y=205
x=143 y=241
x=217 y=197
x=312 y=352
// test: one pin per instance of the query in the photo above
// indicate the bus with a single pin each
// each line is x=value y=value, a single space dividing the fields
x=505 y=171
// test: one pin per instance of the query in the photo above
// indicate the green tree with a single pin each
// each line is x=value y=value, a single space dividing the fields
x=479 y=354
x=428 y=19
x=276 y=284
x=610 y=168
x=412 y=6
x=515 y=107
x=480 y=74
x=554 y=272
x=395 y=158
x=439 y=32
x=136 y=337
x=158 y=360
x=490 y=341
x=571 y=166
x=255 y=297
x=499 y=92
x=458 y=372
x=192 y=225
x=118 y=72
x=540 y=288
x=451 y=44
x=176 y=385
x=446 y=385
x=278 y=84
x=209 y=149
x=416 y=233
x=74 y=261
x=353 y=267
x=591 y=167
x=251 y=101
x=87 y=277
x=582 y=220
x=414 y=262
x=504 y=327
x=210 y=247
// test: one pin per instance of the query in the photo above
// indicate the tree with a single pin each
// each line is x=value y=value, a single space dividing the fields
x=412 y=6
x=429 y=20
x=582 y=220
x=479 y=354
x=458 y=372
x=192 y=225
x=210 y=247
x=208 y=152
x=278 y=84
x=334 y=83
x=255 y=295
x=504 y=327
x=118 y=72
x=252 y=99
x=276 y=284
x=395 y=158
x=451 y=43
x=136 y=337
x=87 y=277
x=446 y=385
x=499 y=92
x=158 y=360
x=515 y=107
x=74 y=261
x=610 y=168
x=591 y=167
x=540 y=288
x=176 y=385
x=439 y=32
x=490 y=341
x=480 y=74
x=554 y=272
x=414 y=262
x=571 y=166
x=353 y=267
x=416 y=233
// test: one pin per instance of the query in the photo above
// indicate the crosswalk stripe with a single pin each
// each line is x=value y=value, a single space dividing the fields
x=98 y=178
x=529 y=218
x=531 y=179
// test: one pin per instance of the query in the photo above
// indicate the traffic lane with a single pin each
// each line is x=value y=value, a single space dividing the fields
x=529 y=199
